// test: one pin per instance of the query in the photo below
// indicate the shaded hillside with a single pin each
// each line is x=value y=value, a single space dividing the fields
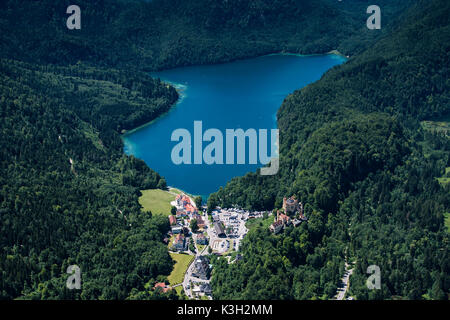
x=369 y=190
x=161 y=34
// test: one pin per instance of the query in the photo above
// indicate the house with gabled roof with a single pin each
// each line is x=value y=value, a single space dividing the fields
x=177 y=229
x=181 y=214
x=162 y=286
x=280 y=222
x=202 y=239
x=202 y=269
x=276 y=227
x=180 y=243
x=218 y=228
x=172 y=220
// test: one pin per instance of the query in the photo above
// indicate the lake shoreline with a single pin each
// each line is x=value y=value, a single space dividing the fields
x=180 y=88
x=274 y=77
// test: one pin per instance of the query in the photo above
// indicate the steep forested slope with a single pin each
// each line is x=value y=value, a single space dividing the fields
x=407 y=81
x=162 y=34
x=54 y=213
x=384 y=202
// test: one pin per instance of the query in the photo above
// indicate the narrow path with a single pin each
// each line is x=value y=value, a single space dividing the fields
x=188 y=277
x=345 y=283
x=72 y=168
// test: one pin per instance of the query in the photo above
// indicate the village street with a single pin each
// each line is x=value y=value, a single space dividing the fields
x=188 y=277
x=220 y=233
x=222 y=244
x=345 y=283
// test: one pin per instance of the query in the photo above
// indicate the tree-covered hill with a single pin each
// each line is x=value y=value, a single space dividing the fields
x=68 y=194
x=353 y=150
x=167 y=33
x=409 y=82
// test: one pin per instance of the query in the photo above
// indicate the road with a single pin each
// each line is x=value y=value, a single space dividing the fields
x=188 y=278
x=345 y=283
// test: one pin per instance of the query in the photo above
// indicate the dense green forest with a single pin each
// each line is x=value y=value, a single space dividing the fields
x=70 y=196
x=352 y=149
x=54 y=214
x=161 y=34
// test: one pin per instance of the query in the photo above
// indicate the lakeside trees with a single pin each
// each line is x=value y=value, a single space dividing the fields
x=198 y=202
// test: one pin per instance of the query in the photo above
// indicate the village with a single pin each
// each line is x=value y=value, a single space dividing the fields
x=200 y=235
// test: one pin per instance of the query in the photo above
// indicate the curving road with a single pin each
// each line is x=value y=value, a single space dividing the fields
x=345 y=283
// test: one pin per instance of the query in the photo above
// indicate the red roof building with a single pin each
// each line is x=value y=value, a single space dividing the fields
x=163 y=287
x=284 y=218
x=200 y=222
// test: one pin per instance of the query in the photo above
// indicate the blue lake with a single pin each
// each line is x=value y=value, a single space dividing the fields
x=243 y=94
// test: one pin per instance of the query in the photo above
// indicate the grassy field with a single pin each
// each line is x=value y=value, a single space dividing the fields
x=181 y=265
x=157 y=201
x=170 y=244
x=178 y=290
x=447 y=221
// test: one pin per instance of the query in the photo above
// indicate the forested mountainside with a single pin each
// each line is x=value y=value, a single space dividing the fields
x=352 y=148
x=162 y=34
x=69 y=195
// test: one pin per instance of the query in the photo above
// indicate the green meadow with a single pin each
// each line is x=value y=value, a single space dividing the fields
x=182 y=263
x=157 y=201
